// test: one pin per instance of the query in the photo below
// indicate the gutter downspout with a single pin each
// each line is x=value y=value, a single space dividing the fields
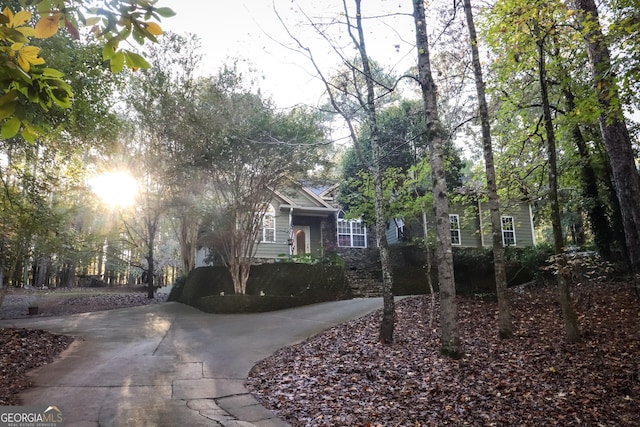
x=291 y=236
x=533 y=232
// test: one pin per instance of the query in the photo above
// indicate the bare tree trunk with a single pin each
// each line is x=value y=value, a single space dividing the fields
x=568 y=312
x=187 y=237
x=367 y=102
x=450 y=343
x=150 y=275
x=505 y=328
x=41 y=278
x=427 y=251
x=152 y=229
x=234 y=269
x=70 y=275
x=3 y=288
x=614 y=131
x=239 y=276
x=388 y=311
x=237 y=262
x=597 y=211
x=101 y=255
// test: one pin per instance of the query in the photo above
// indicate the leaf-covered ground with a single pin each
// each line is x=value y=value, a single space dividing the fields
x=64 y=301
x=345 y=377
x=22 y=350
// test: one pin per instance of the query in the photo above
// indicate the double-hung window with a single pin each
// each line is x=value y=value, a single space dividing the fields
x=400 y=230
x=351 y=232
x=269 y=225
x=508 y=231
x=454 y=221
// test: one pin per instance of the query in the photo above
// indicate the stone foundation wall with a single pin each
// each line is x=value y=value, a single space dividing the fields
x=363 y=271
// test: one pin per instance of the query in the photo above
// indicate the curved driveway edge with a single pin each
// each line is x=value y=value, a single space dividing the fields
x=170 y=364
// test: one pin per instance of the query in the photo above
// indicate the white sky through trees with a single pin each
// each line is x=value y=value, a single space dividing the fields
x=250 y=30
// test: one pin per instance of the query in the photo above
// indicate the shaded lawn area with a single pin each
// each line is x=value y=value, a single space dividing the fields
x=345 y=377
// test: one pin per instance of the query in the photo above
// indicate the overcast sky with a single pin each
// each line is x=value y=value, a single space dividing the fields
x=250 y=29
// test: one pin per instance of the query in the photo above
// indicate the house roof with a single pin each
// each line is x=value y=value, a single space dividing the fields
x=329 y=192
x=300 y=199
x=309 y=210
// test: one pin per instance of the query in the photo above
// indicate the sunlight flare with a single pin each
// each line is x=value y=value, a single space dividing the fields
x=117 y=189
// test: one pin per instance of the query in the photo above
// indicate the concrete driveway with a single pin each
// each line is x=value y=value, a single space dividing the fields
x=170 y=364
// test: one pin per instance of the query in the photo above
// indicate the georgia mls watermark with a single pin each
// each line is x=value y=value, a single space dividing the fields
x=31 y=416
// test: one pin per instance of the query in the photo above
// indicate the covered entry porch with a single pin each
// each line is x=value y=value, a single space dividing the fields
x=311 y=229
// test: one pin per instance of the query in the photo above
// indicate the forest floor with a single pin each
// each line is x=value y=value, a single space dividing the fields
x=345 y=377
x=24 y=349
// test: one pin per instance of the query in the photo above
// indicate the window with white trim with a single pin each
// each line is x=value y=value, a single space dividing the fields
x=269 y=225
x=508 y=231
x=400 y=230
x=454 y=226
x=351 y=232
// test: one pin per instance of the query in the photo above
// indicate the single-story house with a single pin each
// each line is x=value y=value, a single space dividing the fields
x=299 y=221
x=471 y=229
x=304 y=220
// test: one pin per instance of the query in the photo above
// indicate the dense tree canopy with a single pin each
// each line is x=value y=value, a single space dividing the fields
x=584 y=179
x=25 y=76
x=405 y=148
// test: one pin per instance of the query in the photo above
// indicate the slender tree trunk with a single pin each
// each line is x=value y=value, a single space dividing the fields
x=234 y=269
x=245 y=269
x=41 y=279
x=152 y=228
x=614 y=131
x=70 y=275
x=617 y=224
x=187 y=237
x=450 y=343
x=505 y=328
x=239 y=269
x=596 y=210
x=3 y=288
x=150 y=275
x=568 y=312
x=237 y=281
x=388 y=310
x=556 y=222
x=101 y=256
x=428 y=266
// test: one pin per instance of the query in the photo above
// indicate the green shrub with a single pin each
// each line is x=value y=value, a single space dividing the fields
x=329 y=258
x=580 y=267
x=176 y=289
x=531 y=260
x=473 y=269
x=305 y=283
x=249 y=303
x=287 y=279
x=205 y=281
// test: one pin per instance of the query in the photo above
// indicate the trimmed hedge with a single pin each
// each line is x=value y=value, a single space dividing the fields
x=287 y=285
x=283 y=285
x=473 y=269
x=230 y=304
x=205 y=281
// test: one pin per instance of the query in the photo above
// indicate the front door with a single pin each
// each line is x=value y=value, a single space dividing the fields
x=301 y=239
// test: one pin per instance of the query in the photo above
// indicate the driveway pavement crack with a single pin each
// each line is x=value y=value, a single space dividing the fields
x=163 y=338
